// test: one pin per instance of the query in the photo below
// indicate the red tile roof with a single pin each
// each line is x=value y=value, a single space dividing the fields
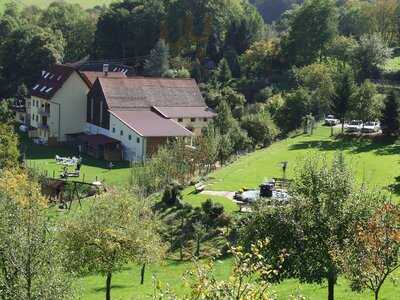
x=150 y=124
x=92 y=76
x=51 y=81
x=142 y=92
x=185 y=112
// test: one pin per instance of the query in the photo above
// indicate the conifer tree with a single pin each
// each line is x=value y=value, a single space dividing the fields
x=390 y=121
x=158 y=62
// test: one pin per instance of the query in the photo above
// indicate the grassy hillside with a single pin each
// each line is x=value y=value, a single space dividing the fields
x=44 y=3
x=375 y=162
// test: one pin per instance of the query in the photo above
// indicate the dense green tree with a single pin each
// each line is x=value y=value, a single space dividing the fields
x=116 y=230
x=354 y=19
x=25 y=53
x=260 y=128
x=6 y=113
x=390 y=118
x=128 y=28
x=313 y=25
x=369 y=55
x=318 y=78
x=224 y=119
x=341 y=48
x=32 y=260
x=157 y=64
x=223 y=74
x=323 y=208
x=366 y=103
x=296 y=106
x=343 y=92
x=77 y=27
x=9 y=153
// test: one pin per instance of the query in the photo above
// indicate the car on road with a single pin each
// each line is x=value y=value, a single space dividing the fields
x=354 y=126
x=330 y=120
x=371 y=127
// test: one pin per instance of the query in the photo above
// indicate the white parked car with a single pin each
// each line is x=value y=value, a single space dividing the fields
x=354 y=126
x=371 y=127
x=330 y=120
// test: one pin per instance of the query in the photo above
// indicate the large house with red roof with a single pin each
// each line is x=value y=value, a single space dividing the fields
x=143 y=113
x=107 y=113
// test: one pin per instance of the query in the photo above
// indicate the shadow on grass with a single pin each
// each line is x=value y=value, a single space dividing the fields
x=377 y=145
x=113 y=287
x=395 y=187
x=33 y=152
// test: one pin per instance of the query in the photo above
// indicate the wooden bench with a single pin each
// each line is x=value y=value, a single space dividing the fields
x=199 y=187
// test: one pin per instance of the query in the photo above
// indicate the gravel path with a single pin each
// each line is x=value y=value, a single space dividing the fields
x=228 y=195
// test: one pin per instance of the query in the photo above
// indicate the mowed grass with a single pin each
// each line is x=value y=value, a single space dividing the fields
x=373 y=162
x=42 y=159
x=45 y=3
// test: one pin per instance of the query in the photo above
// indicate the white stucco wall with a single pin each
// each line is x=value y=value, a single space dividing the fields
x=134 y=147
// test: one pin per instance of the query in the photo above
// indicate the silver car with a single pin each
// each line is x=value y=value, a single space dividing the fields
x=371 y=127
x=354 y=126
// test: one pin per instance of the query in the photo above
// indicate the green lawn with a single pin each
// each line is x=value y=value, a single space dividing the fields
x=42 y=158
x=376 y=163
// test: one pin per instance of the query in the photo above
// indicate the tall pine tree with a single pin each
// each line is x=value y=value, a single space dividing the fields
x=390 y=119
x=158 y=62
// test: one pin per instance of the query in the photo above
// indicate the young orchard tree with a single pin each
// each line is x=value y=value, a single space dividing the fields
x=373 y=254
x=31 y=259
x=116 y=230
x=323 y=206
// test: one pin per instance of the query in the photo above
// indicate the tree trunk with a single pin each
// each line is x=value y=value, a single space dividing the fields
x=108 y=286
x=198 y=248
x=142 y=271
x=331 y=286
x=342 y=126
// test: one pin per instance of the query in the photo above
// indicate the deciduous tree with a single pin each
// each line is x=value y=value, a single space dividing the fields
x=117 y=229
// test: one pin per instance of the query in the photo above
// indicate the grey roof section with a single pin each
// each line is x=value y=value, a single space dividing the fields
x=150 y=124
x=136 y=92
x=185 y=112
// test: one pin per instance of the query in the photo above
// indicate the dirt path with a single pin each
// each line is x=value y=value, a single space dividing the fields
x=225 y=194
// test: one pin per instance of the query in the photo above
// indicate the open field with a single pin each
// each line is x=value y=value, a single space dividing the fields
x=374 y=162
x=44 y=3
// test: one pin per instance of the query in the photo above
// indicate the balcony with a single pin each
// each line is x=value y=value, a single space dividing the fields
x=45 y=112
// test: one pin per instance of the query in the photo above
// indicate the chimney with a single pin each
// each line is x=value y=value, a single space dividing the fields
x=105 y=69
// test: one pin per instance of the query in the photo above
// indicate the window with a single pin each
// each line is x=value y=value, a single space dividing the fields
x=129 y=137
x=43 y=88
x=37 y=118
x=101 y=113
x=180 y=120
x=138 y=140
x=192 y=119
x=36 y=86
x=49 y=90
x=205 y=119
x=113 y=130
x=121 y=132
x=59 y=78
x=33 y=117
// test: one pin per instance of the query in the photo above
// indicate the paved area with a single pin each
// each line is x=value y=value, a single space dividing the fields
x=225 y=194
